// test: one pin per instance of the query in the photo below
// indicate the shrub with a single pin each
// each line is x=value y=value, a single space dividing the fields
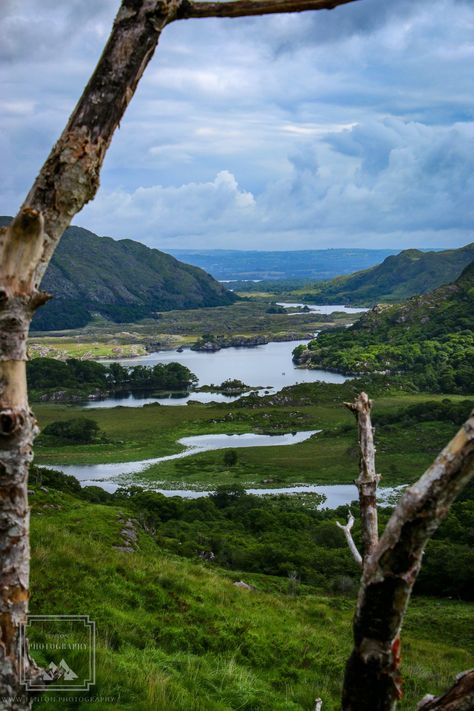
x=79 y=430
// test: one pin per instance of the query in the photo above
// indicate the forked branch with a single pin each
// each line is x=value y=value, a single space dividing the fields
x=372 y=680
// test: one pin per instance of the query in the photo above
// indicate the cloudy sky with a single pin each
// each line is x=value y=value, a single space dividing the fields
x=346 y=128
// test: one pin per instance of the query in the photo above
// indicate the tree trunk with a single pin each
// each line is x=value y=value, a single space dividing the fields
x=372 y=680
x=18 y=299
x=69 y=179
x=368 y=478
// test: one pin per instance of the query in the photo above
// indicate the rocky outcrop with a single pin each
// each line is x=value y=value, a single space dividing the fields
x=216 y=343
x=129 y=537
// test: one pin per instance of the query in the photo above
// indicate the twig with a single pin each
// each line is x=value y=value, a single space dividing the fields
x=350 y=541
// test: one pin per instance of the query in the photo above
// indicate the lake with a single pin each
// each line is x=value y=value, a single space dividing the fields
x=269 y=365
x=323 y=309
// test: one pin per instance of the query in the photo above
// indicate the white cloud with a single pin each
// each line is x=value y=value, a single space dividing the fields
x=317 y=128
x=392 y=180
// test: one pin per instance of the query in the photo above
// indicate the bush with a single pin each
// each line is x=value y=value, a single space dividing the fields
x=79 y=430
x=230 y=457
x=42 y=476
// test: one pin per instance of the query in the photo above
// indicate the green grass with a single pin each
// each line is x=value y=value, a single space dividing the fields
x=62 y=348
x=176 y=635
x=329 y=457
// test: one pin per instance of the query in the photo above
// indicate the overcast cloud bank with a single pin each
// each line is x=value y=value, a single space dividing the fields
x=346 y=128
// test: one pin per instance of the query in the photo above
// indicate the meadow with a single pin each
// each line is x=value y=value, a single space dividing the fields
x=176 y=634
x=328 y=457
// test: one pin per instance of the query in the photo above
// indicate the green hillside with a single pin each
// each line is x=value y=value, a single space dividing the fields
x=397 y=278
x=429 y=338
x=120 y=280
x=175 y=634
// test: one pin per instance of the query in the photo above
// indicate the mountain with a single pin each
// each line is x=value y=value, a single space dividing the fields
x=307 y=264
x=121 y=280
x=396 y=279
x=429 y=340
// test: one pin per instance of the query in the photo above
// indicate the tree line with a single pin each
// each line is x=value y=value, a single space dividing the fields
x=46 y=374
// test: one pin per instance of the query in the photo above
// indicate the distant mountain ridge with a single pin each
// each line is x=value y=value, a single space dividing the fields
x=121 y=280
x=307 y=264
x=397 y=278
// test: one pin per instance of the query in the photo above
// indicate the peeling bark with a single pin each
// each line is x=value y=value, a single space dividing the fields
x=372 y=679
x=20 y=245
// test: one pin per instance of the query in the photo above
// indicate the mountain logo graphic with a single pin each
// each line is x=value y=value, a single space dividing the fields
x=59 y=671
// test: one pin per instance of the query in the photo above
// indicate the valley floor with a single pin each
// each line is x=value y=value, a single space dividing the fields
x=173 y=329
x=330 y=457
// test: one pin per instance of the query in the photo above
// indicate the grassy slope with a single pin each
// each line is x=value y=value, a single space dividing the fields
x=327 y=458
x=397 y=278
x=174 y=635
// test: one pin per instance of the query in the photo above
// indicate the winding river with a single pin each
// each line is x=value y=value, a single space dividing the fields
x=95 y=473
x=111 y=476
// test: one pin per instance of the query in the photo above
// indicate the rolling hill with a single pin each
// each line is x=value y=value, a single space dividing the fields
x=429 y=339
x=120 y=280
x=397 y=278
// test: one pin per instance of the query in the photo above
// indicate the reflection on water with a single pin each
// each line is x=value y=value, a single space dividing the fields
x=269 y=366
x=140 y=399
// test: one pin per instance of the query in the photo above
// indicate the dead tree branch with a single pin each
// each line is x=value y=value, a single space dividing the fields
x=350 y=541
x=460 y=697
x=372 y=680
x=245 y=8
x=368 y=478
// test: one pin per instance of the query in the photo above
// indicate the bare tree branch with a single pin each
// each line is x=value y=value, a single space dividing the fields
x=244 y=8
x=368 y=478
x=460 y=697
x=350 y=541
x=372 y=681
